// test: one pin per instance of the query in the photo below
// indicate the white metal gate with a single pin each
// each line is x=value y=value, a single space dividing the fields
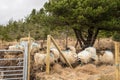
x=14 y=67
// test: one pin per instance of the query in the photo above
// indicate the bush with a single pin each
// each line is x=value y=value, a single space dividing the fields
x=116 y=36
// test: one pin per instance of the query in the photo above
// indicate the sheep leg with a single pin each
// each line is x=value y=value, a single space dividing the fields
x=81 y=64
x=64 y=65
x=41 y=68
x=56 y=61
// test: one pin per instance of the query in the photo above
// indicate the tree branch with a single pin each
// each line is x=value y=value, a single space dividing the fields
x=78 y=38
x=110 y=29
x=89 y=37
x=80 y=35
x=94 y=37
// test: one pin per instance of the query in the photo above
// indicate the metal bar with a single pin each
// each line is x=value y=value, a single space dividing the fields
x=25 y=69
x=12 y=71
x=12 y=75
x=11 y=66
x=12 y=78
x=12 y=59
x=11 y=51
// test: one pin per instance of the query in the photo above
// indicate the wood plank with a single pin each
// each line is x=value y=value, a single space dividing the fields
x=48 y=55
x=116 y=60
x=29 y=58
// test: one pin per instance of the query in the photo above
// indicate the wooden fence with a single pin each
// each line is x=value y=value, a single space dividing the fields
x=117 y=60
x=49 y=40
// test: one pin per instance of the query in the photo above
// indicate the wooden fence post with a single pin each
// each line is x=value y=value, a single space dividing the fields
x=29 y=56
x=117 y=60
x=48 y=55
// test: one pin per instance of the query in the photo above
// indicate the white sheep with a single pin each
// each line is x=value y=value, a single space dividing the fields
x=92 y=50
x=84 y=56
x=72 y=48
x=34 y=48
x=70 y=55
x=16 y=47
x=35 y=45
x=40 y=59
x=56 y=53
x=107 y=57
x=87 y=55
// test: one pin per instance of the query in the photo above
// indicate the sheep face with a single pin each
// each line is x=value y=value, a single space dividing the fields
x=107 y=58
x=56 y=53
x=84 y=56
x=71 y=48
x=102 y=53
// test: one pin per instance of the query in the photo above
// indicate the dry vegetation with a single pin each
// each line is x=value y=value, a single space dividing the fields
x=86 y=72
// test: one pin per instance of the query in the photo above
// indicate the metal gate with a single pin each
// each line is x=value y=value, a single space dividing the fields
x=13 y=64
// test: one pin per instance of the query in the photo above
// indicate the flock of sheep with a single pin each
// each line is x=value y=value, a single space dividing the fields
x=88 y=55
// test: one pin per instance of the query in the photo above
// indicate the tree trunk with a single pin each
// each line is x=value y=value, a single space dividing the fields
x=89 y=40
x=76 y=44
x=78 y=37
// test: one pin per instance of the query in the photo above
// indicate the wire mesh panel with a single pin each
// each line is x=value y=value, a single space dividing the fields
x=13 y=64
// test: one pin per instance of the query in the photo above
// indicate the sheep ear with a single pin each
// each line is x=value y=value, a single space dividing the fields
x=52 y=52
